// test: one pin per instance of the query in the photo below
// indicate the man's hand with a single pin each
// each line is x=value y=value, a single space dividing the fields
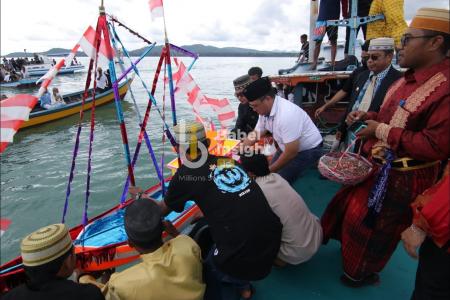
x=320 y=110
x=355 y=116
x=412 y=238
x=290 y=151
x=369 y=131
x=134 y=190
x=251 y=139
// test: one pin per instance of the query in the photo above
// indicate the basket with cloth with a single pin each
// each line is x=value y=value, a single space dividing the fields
x=345 y=167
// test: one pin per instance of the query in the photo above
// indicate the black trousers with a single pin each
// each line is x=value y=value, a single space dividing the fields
x=433 y=273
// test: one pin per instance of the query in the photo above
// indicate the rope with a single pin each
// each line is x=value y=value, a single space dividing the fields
x=150 y=94
x=172 y=93
x=77 y=139
x=129 y=29
x=171 y=89
x=163 y=140
x=183 y=51
x=144 y=123
x=91 y=133
x=119 y=112
x=146 y=138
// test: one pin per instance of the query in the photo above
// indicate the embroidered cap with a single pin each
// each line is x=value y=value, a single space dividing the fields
x=257 y=89
x=436 y=19
x=189 y=132
x=241 y=82
x=45 y=245
x=383 y=43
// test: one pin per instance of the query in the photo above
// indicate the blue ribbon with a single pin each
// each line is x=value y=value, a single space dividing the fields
x=378 y=192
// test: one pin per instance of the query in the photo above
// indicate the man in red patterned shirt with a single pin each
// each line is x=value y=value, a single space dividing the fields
x=431 y=231
x=406 y=141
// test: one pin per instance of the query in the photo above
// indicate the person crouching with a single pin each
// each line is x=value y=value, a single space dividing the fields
x=169 y=270
x=49 y=259
x=301 y=236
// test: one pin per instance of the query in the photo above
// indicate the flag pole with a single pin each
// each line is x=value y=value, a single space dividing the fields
x=172 y=93
x=114 y=81
x=169 y=70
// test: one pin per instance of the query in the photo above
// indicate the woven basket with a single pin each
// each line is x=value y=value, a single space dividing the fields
x=345 y=167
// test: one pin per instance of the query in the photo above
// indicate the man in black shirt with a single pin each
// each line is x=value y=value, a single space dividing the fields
x=49 y=259
x=247 y=117
x=303 y=56
x=246 y=233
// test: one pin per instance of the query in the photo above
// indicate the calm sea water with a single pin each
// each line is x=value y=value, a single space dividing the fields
x=35 y=168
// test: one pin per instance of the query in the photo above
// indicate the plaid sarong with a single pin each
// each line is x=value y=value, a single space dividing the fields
x=367 y=250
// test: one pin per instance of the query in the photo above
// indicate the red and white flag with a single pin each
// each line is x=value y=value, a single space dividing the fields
x=156 y=8
x=4 y=224
x=186 y=84
x=87 y=43
x=14 y=111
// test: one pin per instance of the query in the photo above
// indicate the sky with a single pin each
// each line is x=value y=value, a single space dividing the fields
x=257 y=24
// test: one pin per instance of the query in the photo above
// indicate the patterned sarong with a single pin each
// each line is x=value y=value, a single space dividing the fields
x=366 y=250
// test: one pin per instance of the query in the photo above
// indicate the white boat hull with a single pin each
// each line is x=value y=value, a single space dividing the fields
x=40 y=70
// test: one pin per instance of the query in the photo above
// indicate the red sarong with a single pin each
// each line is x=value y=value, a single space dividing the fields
x=364 y=250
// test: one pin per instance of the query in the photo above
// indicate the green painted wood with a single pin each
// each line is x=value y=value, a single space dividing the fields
x=319 y=277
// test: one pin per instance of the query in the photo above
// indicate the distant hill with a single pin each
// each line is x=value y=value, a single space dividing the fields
x=200 y=49
x=51 y=52
x=203 y=50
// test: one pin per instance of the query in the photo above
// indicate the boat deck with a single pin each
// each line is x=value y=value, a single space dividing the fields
x=319 y=277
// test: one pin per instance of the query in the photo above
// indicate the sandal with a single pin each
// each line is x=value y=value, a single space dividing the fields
x=371 y=279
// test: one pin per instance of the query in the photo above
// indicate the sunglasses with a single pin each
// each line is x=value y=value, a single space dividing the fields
x=404 y=40
x=373 y=57
x=239 y=94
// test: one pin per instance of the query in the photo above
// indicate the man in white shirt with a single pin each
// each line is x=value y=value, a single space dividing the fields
x=102 y=81
x=302 y=233
x=298 y=138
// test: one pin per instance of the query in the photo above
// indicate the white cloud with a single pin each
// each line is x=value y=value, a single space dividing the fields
x=258 y=24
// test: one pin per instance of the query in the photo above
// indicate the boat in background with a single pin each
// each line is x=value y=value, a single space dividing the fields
x=42 y=69
x=313 y=88
x=340 y=45
x=20 y=84
x=74 y=100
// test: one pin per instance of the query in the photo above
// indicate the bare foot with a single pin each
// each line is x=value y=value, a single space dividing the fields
x=248 y=293
x=279 y=263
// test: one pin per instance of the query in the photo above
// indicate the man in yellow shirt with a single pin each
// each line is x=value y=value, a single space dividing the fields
x=393 y=25
x=169 y=271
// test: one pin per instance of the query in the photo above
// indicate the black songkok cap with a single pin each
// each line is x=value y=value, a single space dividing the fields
x=257 y=89
x=143 y=221
x=241 y=82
